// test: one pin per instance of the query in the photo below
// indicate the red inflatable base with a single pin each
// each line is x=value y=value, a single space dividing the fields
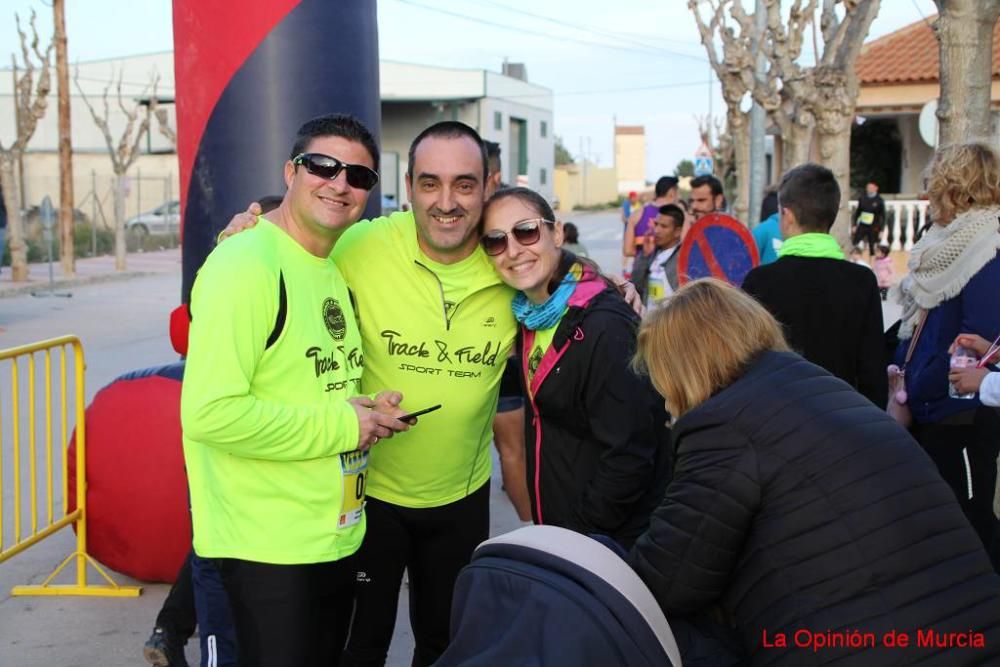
x=137 y=501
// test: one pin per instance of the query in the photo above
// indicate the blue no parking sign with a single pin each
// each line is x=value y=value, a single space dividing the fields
x=717 y=246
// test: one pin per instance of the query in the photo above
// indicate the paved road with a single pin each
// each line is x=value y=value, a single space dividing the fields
x=123 y=325
x=601 y=234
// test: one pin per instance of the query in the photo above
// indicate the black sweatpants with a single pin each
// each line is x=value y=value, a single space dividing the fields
x=980 y=441
x=289 y=615
x=868 y=234
x=433 y=544
x=177 y=615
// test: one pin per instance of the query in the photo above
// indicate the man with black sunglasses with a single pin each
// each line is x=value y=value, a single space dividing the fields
x=357 y=176
x=276 y=428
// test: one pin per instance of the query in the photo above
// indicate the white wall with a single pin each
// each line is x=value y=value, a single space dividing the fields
x=521 y=92
x=136 y=74
x=403 y=121
x=533 y=104
x=152 y=180
x=541 y=150
x=916 y=155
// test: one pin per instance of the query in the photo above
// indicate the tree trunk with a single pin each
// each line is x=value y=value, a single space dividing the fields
x=739 y=133
x=964 y=30
x=796 y=145
x=835 y=154
x=120 y=184
x=834 y=116
x=66 y=243
x=15 y=224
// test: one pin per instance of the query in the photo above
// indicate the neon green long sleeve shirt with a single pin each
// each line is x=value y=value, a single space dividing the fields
x=265 y=427
x=439 y=335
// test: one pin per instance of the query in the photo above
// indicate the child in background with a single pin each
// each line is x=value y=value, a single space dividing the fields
x=883 y=270
x=571 y=240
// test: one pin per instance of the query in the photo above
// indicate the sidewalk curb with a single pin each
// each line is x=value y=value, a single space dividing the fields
x=63 y=283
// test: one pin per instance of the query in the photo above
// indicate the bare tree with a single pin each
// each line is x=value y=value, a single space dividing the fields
x=125 y=151
x=67 y=246
x=724 y=153
x=783 y=101
x=836 y=84
x=786 y=91
x=828 y=90
x=31 y=96
x=804 y=102
x=162 y=122
x=964 y=30
x=734 y=69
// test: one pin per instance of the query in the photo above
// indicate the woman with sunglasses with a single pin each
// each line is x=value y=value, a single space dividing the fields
x=597 y=443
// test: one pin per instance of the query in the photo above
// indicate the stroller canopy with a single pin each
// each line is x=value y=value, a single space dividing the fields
x=549 y=596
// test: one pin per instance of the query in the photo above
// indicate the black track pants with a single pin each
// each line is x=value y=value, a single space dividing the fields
x=433 y=543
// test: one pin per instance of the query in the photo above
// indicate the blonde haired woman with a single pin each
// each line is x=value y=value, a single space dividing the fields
x=952 y=288
x=797 y=508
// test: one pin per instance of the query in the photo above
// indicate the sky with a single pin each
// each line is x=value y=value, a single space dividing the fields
x=634 y=62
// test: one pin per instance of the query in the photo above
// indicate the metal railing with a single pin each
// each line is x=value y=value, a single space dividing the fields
x=28 y=527
x=904 y=219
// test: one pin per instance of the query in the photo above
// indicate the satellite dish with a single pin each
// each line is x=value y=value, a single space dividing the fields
x=928 y=124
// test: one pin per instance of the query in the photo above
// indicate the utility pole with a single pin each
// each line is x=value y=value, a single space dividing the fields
x=757 y=118
x=66 y=244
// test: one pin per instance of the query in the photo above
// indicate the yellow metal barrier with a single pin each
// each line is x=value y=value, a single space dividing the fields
x=24 y=539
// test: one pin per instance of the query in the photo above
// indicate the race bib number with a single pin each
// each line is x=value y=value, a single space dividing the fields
x=866 y=218
x=354 y=473
x=658 y=290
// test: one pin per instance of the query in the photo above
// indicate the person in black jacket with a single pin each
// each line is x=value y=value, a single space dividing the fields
x=798 y=512
x=596 y=439
x=868 y=220
x=831 y=309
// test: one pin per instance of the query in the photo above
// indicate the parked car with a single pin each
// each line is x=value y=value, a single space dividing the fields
x=163 y=219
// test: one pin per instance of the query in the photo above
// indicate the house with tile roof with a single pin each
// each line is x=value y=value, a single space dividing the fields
x=899 y=74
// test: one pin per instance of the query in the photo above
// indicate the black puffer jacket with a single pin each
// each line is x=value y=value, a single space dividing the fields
x=597 y=444
x=796 y=504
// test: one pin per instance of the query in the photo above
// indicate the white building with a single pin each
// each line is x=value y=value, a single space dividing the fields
x=505 y=109
x=502 y=107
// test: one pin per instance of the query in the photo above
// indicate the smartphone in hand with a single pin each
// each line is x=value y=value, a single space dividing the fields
x=414 y=415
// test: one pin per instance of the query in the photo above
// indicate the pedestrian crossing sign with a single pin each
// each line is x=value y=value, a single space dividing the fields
x=703 y=165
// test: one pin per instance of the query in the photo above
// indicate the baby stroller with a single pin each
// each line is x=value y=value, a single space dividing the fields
x=551 y=597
